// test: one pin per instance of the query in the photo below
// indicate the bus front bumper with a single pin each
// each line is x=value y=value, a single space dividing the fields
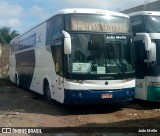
x=98 y=96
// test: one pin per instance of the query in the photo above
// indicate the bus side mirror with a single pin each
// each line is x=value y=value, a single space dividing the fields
x=67 y=42
x=150 y=47
x=152 y=53
x=147 y=40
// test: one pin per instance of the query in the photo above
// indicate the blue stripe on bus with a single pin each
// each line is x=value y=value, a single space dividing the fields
x=94 y=96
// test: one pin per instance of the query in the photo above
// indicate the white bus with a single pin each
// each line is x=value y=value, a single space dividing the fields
x=78 y=56
x=146 y=27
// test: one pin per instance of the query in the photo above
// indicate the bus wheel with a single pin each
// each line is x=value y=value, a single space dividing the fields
x=47 y=93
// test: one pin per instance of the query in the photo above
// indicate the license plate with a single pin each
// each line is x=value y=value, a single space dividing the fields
x=106 y=96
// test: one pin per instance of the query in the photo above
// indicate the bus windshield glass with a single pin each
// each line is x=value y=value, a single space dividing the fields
x=101 y=54
x=103 y=23
x=152 y=24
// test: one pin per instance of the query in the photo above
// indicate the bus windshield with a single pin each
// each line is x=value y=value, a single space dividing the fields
x=102 y=23
x=152 y=24
x=101 y=54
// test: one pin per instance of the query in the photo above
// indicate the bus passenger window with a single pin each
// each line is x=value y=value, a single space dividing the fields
x=50 y=25
x=58 y=56
x=58 y=26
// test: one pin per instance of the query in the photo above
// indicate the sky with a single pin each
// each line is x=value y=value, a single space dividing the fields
x=23 y=14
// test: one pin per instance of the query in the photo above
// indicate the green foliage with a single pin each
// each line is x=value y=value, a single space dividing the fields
x=6 y=35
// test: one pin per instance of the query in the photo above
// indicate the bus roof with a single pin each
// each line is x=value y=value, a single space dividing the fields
x=156 y=13
x=76 y=11
x=89 y=11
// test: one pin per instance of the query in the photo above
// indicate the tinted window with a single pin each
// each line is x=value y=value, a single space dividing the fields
x=50 y=25
x=54 y=27
x=28 y=42
x=137 y=24
x=141 y=55
x=58 y=26
x=57 y=52
x=152 y=24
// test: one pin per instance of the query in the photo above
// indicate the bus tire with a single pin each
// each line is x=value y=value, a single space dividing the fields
x=47 y=92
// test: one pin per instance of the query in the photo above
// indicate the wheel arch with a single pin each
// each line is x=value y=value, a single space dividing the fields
x=45 y=79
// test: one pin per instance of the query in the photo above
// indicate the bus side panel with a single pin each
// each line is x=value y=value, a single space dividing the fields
x=41 y=59
x=45 y=67
x=44 y=70
x=25 y=66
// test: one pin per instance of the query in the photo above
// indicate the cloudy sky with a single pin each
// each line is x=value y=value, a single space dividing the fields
x=22 y=14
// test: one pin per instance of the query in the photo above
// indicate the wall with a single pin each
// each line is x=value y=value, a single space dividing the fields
x=4 y=60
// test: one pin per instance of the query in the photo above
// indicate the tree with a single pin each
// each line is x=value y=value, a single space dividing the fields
x=6 y=35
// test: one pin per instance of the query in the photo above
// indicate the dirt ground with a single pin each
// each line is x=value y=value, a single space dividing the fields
x=20 y=107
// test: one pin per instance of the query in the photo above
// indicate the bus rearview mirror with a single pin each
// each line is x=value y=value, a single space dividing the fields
x=67 y=42
x=147 y=40
x=150 y=47
x=152 y=53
